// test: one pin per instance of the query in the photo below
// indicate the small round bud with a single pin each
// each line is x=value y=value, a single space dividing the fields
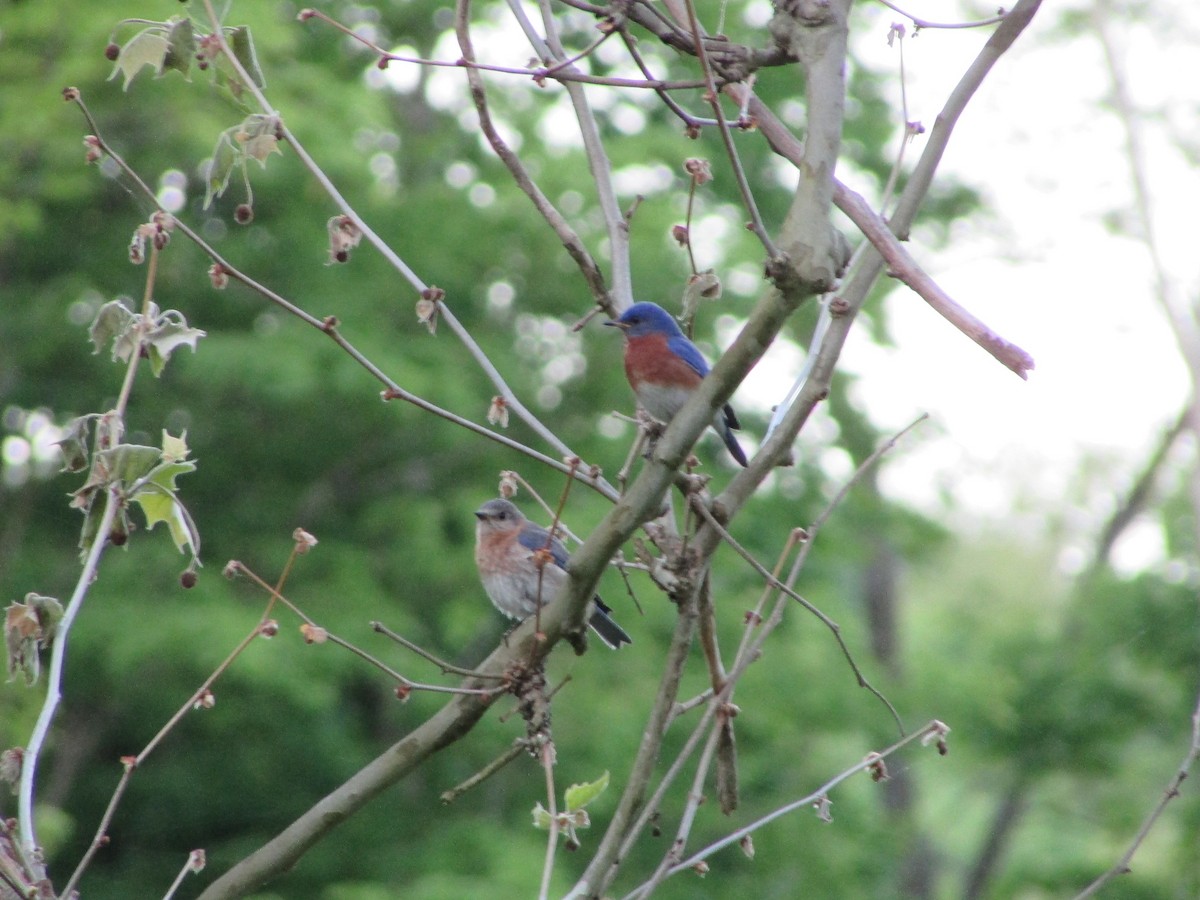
x=187 y=579
x=244 y=214
x=313 y=634
x=112 y=51
x=427 y=314
x=699 y=170
x=508 y=484
x=269 y=629
x=497 y=413
x=304 y=541
x=91 y=148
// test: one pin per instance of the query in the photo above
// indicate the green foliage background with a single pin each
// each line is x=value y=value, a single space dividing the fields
x=1076 y=698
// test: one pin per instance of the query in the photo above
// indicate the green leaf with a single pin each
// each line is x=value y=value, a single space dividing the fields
x=28 y=627
x=160 y=504
x=146 y=48
x=174 y=449
x=126 y=463
x=577 y=796
x=112 y=321
x=257 y=137
x=702 y=286
x=242 y=45
x=165 y=473
x=259 y=148
x=541 y=817
x=84 y=499
x=226 y=155
x=157 y=496
x=167 y=335
x=74 y=444
x=127 y=341
x=181 y=50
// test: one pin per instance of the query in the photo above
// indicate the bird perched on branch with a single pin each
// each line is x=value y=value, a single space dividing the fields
x=523 y=566
x=664 y=369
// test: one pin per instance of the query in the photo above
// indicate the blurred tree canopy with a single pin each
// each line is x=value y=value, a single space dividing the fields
x=1068 y=699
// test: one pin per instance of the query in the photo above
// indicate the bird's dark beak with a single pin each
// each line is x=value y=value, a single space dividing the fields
x=480 y=515
x=615 y=323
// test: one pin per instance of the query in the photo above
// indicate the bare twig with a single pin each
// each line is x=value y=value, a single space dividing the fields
x=538 y=74
x=598 y=164
x=519 y=748
x=112 y=503
x=547 y=760
x=625 y=818
x=448 y=668
x=926 y=23
x=589 y=475
x=385 y=250
x=566 y=234
x=735 y=161
x=189 y=867
x=932 y=729
x=1121 y=867
x=132 y=763
x=58 y=653
x=406 y=683
x=663 y=94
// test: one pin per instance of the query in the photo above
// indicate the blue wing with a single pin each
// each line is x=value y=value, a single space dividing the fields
x=686 y=350
x=533 y=537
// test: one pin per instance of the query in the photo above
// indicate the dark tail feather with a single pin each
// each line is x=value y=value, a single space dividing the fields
x=731 y=418
x=725 y=425
x=606 y=628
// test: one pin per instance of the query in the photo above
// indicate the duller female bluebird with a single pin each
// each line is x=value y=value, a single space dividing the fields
x=505 y=547
x=664 y=368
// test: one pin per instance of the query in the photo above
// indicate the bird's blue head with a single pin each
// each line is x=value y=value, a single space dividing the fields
x=642 y=319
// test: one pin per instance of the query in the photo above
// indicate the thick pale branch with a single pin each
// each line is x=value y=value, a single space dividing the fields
x=816 y=34
x=445 y=727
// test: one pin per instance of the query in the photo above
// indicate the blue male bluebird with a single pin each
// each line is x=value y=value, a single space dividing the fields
x=664 y=368
x=505 y=547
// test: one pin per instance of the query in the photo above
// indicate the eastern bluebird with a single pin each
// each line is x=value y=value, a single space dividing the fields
x=505 y=545
x=664 y=368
